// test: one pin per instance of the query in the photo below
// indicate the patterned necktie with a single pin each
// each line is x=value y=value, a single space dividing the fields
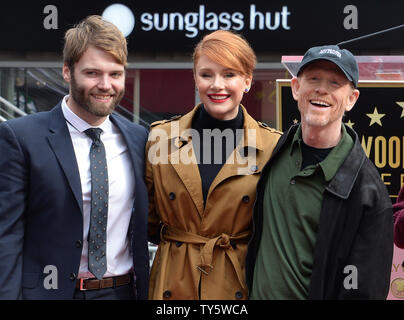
x=97 y=235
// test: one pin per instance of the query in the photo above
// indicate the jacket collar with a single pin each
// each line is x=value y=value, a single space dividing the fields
x=252 y=132
x=61 y=144
x=342 y=183
x=345 y=178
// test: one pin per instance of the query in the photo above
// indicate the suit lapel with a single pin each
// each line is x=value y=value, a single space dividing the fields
x=61 y=144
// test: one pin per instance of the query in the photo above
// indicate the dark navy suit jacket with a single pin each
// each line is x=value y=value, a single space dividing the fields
x=41 y=219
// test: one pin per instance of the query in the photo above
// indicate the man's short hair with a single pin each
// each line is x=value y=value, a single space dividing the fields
x=97 y=32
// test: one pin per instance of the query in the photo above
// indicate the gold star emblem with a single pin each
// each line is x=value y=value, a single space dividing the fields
x=350 y=124
x=375 y=117
x=401 y=104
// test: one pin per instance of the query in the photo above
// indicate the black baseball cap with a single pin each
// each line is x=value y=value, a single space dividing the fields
x=343 y=58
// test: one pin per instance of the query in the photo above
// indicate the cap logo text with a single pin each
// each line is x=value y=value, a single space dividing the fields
x=330 y=51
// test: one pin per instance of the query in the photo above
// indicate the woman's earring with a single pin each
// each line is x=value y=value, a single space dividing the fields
x=246 y=90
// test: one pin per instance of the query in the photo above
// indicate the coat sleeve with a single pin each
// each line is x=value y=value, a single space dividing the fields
x=367 y=273
x=13 y=184
x=398 y=208
x=153 y=218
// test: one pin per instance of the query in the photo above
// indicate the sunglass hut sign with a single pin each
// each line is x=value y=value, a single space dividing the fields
x=254 y=18
x=193 y=22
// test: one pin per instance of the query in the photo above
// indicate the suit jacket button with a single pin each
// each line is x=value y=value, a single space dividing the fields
x=167 y=294
x=178 y=243
x=246 y=199
x=254 y=168
x=171 y=195
x=73 y=276
x=239 y=295
x=78 y=244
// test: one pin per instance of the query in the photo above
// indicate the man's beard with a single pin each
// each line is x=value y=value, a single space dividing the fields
x=97 y=109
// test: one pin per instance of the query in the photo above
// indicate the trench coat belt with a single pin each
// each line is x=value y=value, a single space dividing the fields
x=223 y=241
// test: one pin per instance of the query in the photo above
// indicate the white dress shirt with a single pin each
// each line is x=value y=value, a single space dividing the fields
x=121 y=191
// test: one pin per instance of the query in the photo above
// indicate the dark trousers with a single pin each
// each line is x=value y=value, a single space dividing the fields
x=125 y=292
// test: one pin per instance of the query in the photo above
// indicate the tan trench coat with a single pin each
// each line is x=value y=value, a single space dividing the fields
x=201 y=246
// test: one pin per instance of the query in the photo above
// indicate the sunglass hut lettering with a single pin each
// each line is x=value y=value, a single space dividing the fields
x=193 y=22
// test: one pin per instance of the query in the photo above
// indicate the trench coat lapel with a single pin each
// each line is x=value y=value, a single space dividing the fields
x=183 y=160
x=246 y=158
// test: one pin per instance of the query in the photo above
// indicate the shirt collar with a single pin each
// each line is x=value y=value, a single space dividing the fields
x=78 y=123
x=297 y=138
x=335 y=158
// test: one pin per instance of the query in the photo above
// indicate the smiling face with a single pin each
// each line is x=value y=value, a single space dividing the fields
x=220 y=89
x=323 y=94
x=97 y=85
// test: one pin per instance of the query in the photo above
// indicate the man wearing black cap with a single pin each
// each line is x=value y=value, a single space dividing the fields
x=322 y=226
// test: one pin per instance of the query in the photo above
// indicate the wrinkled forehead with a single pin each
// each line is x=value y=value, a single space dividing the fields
x=324 y=65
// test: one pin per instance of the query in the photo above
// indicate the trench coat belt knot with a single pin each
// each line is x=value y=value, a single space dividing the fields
x=169 y=233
